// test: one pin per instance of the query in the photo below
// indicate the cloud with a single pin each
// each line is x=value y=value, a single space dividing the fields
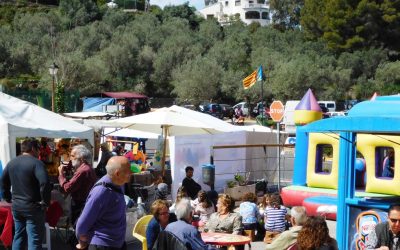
x=199 y=4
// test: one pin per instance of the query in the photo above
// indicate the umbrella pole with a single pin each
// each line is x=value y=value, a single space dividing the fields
x=165 y=128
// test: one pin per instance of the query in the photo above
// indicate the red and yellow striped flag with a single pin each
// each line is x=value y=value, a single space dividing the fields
x=249 y=81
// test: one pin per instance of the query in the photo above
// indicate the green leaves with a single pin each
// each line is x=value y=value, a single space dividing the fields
x=343 y=48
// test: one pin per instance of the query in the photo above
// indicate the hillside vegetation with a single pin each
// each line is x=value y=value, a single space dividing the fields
x=340 y=49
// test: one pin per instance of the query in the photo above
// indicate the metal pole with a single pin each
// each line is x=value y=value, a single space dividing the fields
x=262 y=103
x=52 y=95
x=165 y=129
x=278 y=125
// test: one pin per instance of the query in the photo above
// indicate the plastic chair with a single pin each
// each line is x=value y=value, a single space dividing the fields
x=139 y=231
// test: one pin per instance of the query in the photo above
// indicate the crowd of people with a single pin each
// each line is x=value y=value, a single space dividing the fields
x=271 y=221
x=98 y=209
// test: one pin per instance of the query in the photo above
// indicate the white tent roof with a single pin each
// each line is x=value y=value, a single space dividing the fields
x=20 y=118
x=132 y=133
x=180 y=121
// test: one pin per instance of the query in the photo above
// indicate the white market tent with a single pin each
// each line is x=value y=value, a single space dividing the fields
x=20 y=118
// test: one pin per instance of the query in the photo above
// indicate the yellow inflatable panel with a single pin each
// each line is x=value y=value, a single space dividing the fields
x=366 y=145
x=302 y=117
x=322 y=180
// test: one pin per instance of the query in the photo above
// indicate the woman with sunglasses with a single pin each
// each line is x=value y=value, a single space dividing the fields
x=159 y=209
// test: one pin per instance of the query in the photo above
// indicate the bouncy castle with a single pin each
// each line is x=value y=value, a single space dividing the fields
x=362 y=176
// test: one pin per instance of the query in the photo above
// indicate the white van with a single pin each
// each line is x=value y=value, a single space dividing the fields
x=330 y=105
x=288 y=116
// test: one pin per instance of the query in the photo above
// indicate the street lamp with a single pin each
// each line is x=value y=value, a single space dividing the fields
x=53 y=72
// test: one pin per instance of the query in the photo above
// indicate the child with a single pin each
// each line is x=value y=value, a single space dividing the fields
x=249 y=211
x=204 y=208
x=264 y=203
x=181 y=193
x=275 y=218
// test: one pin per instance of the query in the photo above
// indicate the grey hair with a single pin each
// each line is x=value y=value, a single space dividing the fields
x=183 y=209
x=83 y=153
x=112 y=166
x=299 y=214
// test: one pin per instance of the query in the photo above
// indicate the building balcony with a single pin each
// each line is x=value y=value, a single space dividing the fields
x=255 y=6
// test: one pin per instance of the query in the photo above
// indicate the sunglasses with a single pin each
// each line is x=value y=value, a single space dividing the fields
x=394 y=220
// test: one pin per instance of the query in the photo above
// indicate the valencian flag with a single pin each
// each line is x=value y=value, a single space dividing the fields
x=249 y=81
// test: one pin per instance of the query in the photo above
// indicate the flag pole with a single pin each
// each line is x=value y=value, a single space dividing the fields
x=262 y=100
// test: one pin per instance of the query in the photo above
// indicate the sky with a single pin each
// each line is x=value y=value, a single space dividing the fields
x=199 y=4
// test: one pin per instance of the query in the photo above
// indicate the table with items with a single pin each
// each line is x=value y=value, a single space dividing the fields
x=224 y=239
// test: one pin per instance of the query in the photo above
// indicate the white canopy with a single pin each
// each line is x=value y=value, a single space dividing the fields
x=129 y=133
x=20 y=118
x=178 y=120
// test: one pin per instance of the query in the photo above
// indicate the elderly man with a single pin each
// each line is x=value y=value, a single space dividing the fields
x=386 y=235
x=102 y=224
x=287 y=238
x=183 y=228
x=25 y=183
x=81 y=182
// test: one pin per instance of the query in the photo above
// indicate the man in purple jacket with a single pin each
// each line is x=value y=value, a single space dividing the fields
x=102 y=224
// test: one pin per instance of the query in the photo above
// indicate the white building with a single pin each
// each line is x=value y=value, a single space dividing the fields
x=247 y=10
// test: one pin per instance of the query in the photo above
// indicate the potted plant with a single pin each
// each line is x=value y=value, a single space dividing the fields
x=238 y=187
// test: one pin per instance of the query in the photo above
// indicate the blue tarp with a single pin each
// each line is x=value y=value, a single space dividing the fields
x=96 y=103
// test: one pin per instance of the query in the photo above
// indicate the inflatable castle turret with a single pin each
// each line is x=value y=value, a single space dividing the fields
x=307 y=110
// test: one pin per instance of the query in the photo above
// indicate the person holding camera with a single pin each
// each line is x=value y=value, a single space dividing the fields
x=82 y=181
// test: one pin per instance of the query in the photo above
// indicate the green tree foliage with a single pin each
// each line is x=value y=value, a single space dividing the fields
x=352 y=25
x=387 y=78
x=174 y=53
x=78 y=12
x=286 y=13
x=190 y=83
x=183 y=11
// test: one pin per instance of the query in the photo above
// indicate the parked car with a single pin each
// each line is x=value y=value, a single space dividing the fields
x=227 y=110
x=213 y=109
x=330 y=105
x=244 y=106
x=325 y=110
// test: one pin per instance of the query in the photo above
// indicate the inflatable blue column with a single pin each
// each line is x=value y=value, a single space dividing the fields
x=346 y=190
x=305 y=112
x=300 y=161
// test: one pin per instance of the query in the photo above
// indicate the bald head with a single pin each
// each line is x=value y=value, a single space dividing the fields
x=118 y=169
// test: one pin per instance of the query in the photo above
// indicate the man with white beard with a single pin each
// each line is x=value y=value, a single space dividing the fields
x=81 y=182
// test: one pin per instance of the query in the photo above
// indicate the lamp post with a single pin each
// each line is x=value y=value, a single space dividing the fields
x=53 y=72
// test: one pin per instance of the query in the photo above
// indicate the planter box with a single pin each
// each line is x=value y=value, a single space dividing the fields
x=237 y=192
